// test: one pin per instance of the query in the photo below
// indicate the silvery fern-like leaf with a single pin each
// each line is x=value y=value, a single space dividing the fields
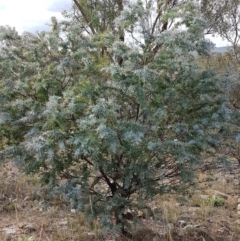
x=4 y=117
x=32 y=132
x=198 y=130
x=77 y=140
x=205 y=97
x=134 y=136
x=102 y=130
x=25 y=119
x=77 y=153
x=177 y=143
x=113 y=147
x=215 y=116
x=226 y=112
x=50 y=154
x=35 y=144
x=72 y=105
x=238 y=137
x=53 y=104
x=152 y=145
x=61 y=145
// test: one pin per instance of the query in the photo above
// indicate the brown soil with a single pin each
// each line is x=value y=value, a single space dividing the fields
x=205 y=213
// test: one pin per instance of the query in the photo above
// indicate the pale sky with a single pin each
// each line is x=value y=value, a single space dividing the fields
x=217 y=40
x=30 y=15
x=33 y=15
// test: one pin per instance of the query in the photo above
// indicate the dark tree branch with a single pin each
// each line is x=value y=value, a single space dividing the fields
x=155 y=23
x=84 y=15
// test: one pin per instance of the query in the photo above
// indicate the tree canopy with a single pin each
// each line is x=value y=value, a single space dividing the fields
x=223 y=18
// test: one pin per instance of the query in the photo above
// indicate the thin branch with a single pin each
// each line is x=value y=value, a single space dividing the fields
x=85 y=159
x=155 y=22
x=138 y=107
x=122 y=92
x=84 y=15
x=107 y=180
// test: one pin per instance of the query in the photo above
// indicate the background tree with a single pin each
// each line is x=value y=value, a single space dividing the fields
x=223 y=18
x=119 y=119
x=227 y=69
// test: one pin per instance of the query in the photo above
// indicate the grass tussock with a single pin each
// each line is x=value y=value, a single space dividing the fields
x=200 y=213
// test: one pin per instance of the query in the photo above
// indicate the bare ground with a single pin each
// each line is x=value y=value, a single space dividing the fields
x=206 y=213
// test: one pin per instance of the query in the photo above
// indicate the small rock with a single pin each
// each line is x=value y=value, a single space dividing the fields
x=73 y=210
x=170 y=226
x=177 y=204
x=63 y=223
x=193 y=209
x=236 y=182
x=30 y=227
x=141 y=214
x=228 y=177
x=21 y=224
x=2 y=197
x=221 y=230
x=204 y=197
x=162 y=233
x=238 y=207
x=238 y=222
x=197 y=192
x=182 y=223
x=10 y=230
x=189 y=226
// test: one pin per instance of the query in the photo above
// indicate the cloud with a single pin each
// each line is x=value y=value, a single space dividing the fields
x=2 y=6
x=59 y=5
x=29 y=15
x=37 y=28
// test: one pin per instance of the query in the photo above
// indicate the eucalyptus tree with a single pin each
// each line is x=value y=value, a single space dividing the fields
x=112 y=114
x=223 y=18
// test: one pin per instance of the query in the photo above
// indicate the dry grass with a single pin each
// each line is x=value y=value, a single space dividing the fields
x=191 y=217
